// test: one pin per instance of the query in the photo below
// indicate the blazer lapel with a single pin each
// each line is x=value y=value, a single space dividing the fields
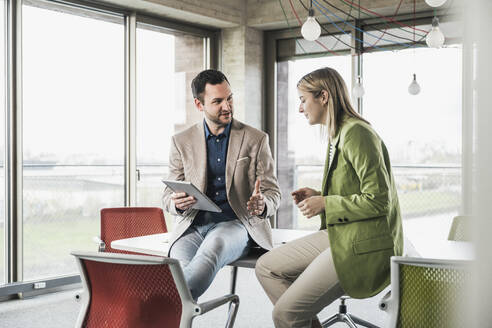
x=235 y=141
x=198 y=147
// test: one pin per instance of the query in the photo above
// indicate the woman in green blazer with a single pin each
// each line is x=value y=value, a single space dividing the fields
x=358 y=204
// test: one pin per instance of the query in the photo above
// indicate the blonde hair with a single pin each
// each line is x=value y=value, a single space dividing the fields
x=338 y=104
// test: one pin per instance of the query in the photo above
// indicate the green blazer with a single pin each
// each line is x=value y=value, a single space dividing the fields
x=362 y=213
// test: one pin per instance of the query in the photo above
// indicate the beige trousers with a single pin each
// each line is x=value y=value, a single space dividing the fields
x=300 y=280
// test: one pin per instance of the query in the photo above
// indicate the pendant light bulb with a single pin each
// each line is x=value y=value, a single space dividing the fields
x=435 y=38
x=310 y=29
x=358 y=89
x=435 y=3
x=414 y=87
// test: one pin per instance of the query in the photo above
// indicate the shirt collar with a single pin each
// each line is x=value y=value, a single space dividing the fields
x=208 y=133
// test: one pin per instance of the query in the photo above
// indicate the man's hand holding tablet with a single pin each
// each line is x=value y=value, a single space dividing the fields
x=186 y=196
x=182 y=201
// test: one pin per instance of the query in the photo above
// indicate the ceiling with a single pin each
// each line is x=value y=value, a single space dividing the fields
x=268 y=14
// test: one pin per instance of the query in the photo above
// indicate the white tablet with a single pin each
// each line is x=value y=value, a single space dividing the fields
x=202 y=201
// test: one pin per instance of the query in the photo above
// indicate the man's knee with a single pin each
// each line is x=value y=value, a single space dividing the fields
x=216 y=247
x=181 y=255
x=214 y=252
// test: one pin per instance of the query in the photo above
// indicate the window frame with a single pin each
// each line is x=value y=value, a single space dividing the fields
x=14 y=284
x=273 y=58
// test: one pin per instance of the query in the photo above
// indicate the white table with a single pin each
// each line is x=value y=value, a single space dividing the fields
x=443 y=249
x=158 y=245
x=424 y=244
x=428 y=236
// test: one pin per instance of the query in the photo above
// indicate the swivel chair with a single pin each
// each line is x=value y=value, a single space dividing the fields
x=343 y=316
x=426 y=292
x=128 y=222
x=123 y=290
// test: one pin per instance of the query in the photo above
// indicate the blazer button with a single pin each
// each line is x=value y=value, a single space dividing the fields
x=345 y=219
x=340 y=220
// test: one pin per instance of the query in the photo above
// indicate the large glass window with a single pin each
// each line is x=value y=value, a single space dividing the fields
x=422 y=132
x=166 y=64
x=2 y=138
x=73 y=132
x=301 y=149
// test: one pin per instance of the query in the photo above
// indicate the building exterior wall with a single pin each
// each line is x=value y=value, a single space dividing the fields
x=242 y=63
x=189 y=61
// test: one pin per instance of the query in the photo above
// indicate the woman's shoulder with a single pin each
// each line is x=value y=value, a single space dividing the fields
x=355 y=127
x=358 y=137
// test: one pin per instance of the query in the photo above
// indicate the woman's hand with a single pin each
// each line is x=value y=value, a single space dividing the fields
x=312 y=206
x=301 y=194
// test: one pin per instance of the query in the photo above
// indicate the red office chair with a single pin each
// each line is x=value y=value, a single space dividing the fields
x=128 y=222
x=139 y=292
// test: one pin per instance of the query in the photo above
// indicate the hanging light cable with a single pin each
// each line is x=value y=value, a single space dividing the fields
x=414 y=87
x=358 y=89
x=310 y=29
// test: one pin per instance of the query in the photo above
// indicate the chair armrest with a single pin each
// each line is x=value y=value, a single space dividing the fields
x=100 y=242
x=385 y=302
x=212 y=304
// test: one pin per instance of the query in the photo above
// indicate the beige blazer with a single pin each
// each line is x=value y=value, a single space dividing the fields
x=248 y=158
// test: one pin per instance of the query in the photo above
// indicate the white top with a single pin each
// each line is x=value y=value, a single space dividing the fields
x=330 y=158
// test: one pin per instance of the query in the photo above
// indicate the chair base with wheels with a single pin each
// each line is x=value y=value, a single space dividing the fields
x=342 y=316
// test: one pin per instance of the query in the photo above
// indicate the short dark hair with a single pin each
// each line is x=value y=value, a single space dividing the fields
x=210 y=76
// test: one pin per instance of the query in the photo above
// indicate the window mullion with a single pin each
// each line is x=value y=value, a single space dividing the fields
x=130 y=110
x=13 y=160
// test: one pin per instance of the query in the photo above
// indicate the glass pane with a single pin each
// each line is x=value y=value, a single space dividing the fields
x=332 y=42
x=422 y=132
x=301 y=150
x=397 y=36
x=2 y=140
x=166 y=64
x=73 y=128
x=288 y=48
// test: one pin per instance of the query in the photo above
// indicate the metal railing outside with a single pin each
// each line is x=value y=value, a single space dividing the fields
x=62 y=203
x=423 y=190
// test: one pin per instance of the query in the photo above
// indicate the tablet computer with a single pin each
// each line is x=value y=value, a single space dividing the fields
x=202 y=201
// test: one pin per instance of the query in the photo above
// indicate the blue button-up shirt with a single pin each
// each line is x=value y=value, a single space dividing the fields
x=216 y=184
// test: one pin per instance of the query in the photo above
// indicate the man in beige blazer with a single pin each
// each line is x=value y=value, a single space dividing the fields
x=232 y=163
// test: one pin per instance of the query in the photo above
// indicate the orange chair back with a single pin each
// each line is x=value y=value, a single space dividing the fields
x=131 y=295
x=128 y=222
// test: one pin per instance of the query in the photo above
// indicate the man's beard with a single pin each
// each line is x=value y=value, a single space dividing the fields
x=216 y=119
